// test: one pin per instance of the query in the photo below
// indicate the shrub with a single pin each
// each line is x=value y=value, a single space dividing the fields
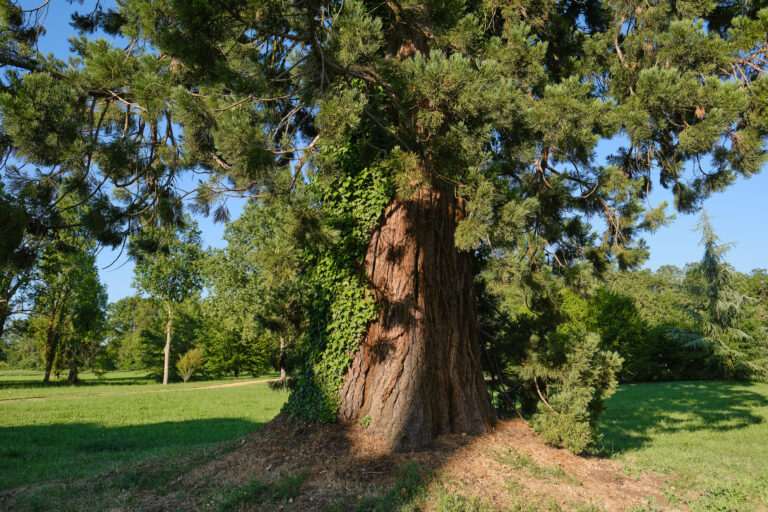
x=573 y=378
x=189 y=362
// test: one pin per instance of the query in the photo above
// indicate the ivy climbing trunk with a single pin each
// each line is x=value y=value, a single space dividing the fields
x=417 y=373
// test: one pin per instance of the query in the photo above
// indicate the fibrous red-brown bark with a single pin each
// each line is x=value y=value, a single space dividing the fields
x=417 y=373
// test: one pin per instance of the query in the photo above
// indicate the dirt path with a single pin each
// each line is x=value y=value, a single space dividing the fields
x=56 y=397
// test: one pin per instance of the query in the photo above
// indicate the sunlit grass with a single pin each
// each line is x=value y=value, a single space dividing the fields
x=15 y=384
x=711 y=437
x=62 y=439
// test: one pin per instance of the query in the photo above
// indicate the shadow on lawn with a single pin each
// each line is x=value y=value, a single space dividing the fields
x=107 y=380
x=637 y=411
x=62 y=451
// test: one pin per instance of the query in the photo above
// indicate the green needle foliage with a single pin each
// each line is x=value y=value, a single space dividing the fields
x=719 y=312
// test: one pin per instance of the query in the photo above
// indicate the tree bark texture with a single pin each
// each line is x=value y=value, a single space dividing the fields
x=167 y=348
x=417 y=373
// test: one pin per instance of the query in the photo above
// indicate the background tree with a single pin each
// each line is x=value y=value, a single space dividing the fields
x=190 y=362
x=127 y=319
x=719 y=312
x=168 y=268
x=255 y=290
x=23 y=351
x=189 y=327
x=87 y=316
x=69 y=309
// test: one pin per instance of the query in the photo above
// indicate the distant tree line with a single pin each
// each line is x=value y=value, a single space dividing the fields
x=61 y=321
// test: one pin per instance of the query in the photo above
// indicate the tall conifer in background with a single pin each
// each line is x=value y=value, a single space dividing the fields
x=428 y=133
x=719 y=313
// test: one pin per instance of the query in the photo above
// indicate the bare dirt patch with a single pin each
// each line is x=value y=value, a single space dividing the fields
x=341 y=468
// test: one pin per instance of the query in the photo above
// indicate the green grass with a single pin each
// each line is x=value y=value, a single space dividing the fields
x=15 y=384
x=712 y=437
x=54 y=439
x=709 y=438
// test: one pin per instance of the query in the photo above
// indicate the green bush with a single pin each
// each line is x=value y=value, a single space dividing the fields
x=189 y=362
x=573 y=378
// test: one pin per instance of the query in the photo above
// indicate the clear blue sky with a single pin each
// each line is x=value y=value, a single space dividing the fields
x=740 y=214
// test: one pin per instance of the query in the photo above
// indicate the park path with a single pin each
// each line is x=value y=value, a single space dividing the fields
x=80 y=395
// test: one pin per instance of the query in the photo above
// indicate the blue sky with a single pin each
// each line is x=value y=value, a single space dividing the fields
x=740 y=214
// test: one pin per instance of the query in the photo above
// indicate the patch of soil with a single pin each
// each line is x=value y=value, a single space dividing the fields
x=508 y=467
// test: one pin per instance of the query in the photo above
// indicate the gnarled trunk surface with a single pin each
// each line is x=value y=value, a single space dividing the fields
x=417 y=373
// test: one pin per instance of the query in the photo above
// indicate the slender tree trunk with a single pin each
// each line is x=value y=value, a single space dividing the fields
x=51 y=340
x=281 y=362
x=9 y=290
x=167 y=349
x=3 y=318
x=417 y=373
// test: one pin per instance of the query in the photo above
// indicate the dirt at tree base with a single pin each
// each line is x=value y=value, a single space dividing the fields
x=508 y=469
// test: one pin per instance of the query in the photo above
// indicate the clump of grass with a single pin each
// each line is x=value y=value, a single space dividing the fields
x=454 y=502
x=251 y=492
x=407 y=491
x=515 y=489
x=256 y=491
x=518 y=460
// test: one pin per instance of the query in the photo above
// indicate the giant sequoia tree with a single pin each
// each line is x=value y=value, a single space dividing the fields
x=409 y=137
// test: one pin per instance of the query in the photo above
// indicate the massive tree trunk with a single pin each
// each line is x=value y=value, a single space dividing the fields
x=417 y=373
x=167 y=348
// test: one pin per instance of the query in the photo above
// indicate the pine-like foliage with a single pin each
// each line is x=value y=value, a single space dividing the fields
x=576 y=378
x=719 y=312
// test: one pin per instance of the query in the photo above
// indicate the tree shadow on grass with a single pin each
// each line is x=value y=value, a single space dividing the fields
x=107 y=380
x=38 y=454
x=638 y=411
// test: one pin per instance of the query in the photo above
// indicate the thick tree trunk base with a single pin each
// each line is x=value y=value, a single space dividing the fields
x=417 y=373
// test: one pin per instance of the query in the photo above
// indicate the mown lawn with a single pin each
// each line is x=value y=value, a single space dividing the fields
x=28 y=383
x=709 y=438
x=712 y=437
x=63 y=438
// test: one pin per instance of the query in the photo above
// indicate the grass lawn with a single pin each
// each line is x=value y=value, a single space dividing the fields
x=54 y=439
x=16 y=384
x=711 y=436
